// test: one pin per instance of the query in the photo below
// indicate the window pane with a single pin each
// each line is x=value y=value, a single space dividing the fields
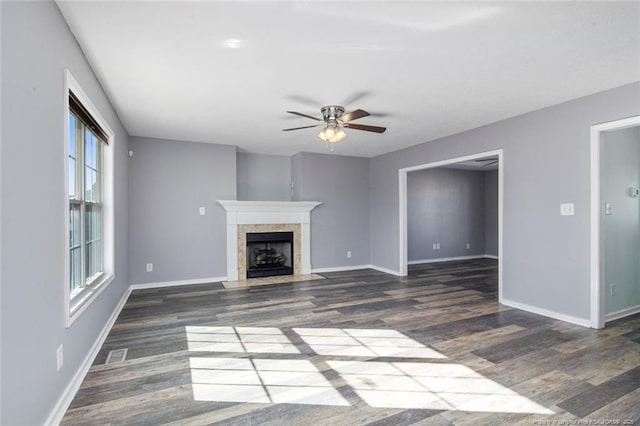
x=72 y=135
x=72 y=156
x=88 y=222
x=91 y=183
x=72 y=178
x=93 y=237
x=90 y=148
x=74 y=225
x=75 y=272
x=92 y=145
x=93 y=151
x=92 y=188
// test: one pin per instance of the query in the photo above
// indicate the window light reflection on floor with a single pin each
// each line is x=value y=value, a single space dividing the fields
x=261 y=381
x=239 y=339
x=401 y=384
x=364 y=342
x=431 y=386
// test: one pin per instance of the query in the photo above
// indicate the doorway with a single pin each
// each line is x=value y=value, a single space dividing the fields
x=403 y=205
x=615 y=220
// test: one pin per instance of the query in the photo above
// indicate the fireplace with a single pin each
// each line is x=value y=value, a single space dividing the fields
x=269 y=254
x=245 y=217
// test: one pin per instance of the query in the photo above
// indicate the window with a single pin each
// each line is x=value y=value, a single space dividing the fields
x=89 y=193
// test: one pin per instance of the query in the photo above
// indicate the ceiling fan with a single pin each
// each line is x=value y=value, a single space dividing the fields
x=334 y=120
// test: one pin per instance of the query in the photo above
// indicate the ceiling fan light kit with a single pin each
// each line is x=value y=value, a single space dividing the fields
x=332 y=133
x=334 y=121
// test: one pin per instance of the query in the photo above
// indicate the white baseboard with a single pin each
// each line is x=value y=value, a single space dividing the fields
x=393 y=272
x=380 y=268
x=177 y=283
x=447 y=259
x=354 y=268
x=622 y=313
x=385 y=270
x=547 y=313
x=339 y=269
x=56 y=415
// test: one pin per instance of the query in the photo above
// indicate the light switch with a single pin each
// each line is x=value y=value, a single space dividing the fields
x=567 y=209
x=201 y=211
x=607 y=209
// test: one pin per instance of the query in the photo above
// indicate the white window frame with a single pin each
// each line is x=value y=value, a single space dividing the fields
x=83 y=299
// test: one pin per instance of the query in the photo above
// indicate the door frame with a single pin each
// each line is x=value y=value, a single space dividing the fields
x=402 y=174
x=597 y=285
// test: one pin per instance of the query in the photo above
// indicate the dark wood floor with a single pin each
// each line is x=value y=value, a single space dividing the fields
x=449 y=320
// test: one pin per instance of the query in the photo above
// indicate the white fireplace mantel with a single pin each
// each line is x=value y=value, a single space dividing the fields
x=264 y=213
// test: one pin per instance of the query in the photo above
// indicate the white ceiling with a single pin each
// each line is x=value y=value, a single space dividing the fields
x=225 y=72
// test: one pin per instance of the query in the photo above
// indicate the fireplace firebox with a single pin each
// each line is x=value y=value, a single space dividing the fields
x=269 y=254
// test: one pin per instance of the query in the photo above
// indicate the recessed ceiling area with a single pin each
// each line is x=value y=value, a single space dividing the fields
x=227 y=72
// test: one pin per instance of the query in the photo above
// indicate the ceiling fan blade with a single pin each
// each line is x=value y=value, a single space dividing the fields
x=355 y=97
x=365 y=127
x=305 y=115
x=303 y=127
x=353 y=115
x=304 y=100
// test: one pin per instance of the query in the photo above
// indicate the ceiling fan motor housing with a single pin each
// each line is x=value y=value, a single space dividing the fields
x=331 y=113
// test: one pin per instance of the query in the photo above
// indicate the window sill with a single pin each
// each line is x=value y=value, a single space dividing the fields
x=82 y=301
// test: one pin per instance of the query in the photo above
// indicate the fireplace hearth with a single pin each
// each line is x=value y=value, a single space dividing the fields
x=269 y=254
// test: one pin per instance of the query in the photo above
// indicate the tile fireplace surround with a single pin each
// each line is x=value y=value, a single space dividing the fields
x=267 y=216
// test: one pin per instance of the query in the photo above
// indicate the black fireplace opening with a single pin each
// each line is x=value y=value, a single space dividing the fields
x=269 y=254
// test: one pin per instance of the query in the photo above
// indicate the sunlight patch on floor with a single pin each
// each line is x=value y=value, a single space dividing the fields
x=239 y=339
x=261 y=381
x=400 y=384
x=364 y=342
x=430 y=386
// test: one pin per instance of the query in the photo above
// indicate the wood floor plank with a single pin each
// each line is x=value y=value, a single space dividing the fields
x=594 y=399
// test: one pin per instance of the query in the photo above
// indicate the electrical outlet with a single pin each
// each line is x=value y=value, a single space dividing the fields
x=468 y=246
x=149 y=267
x=59 y=357
x=349 y=255
x=434 y=246
x=437 y=246
x=201 y=211
x=567 y=209
x=613 y=289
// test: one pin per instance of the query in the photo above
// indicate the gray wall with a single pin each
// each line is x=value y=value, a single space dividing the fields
x=491 y=213
x=169 y=182
x=263 y=177
x=620 y=170
x=546 y=256
x=445 y=206
x=341 y=222
x=296 y=176
x=36 y=48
